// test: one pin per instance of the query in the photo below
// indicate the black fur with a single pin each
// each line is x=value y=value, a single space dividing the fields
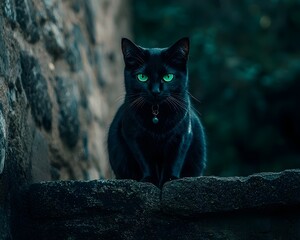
x=175 y=146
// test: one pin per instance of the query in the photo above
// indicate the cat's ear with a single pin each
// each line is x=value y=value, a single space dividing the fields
x=131 y=52
x=178 y=53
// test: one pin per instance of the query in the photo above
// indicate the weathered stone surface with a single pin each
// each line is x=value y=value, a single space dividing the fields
x=53 y=132
x=4 y=229
x=8 y=7
x=76 y=5
x=53 y=12
x=126 y=209
x=3 y=140
x=68 y=114
x=26 y=17
x=73 y=57
x=54 y=43
x=40 y=162
x=89 y=209
x=4 y=54
x=85 y=144
x=36 y=89
x=98 y=61
x=65 y=199
x=90 y=23
x=194 y=196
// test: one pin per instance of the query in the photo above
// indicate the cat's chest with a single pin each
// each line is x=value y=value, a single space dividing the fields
x=152 y=146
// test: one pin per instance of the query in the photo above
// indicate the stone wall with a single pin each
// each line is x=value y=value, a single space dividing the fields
x=60 y=75
x=262 y=206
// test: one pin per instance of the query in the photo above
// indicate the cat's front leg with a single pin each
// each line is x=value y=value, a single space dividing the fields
x=174 y=159
x=147 y=170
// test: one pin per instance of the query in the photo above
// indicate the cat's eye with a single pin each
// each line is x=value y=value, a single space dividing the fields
x=168 y=77
x=142 y=77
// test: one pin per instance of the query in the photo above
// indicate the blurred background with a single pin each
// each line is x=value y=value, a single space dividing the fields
x=244 y=68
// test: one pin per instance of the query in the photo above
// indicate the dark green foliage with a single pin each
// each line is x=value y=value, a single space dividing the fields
x=244 y=68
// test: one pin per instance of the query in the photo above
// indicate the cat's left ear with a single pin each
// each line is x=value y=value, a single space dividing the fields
x=132 y=53
x=179 y=51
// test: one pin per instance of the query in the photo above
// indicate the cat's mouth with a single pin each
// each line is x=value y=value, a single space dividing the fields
x=157 y=100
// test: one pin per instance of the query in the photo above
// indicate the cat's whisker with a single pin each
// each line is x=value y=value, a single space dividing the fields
x=182 y=104
x=141 y=103
x=177 y=104
x=192 y=105
x=140 y=99
x=130 y=105
x=131 y=97
x=196 y=99
x=122 y=97
x=171 y=104
x=180 y=97
x=168 y=103
x=137 y=103
x=133 y=103
x=184 y=100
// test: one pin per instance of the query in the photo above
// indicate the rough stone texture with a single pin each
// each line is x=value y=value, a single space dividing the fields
x=192 y=208
x=26 y=17
x=4 y=223
x=90 y=24
x=54 y=41
x=54 y=113
x=66 y=199
x=40 y=163
x=68 y=111
x=103 y=209
x=215 y=194
x=4 y=54
x=3 y=140
x=36 y=89
x=59 y=90
x=9 y=11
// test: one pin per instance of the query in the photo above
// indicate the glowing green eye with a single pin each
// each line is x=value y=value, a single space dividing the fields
x=168 y=77
x=141 y=77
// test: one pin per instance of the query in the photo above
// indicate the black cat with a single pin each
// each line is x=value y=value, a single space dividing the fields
x=156 y=136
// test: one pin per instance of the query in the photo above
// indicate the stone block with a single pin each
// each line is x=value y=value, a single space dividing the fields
x=188 y=209
x=4 y=54
x=73 y=57
x=40 y=162
x=202 y=195
x=54 y=40
x=3 y=140
x=26 y=17
x=9 y=11
x=36 y=89
x=71 y=199
x=69 y=126
x=4 y=223
x=90 y=20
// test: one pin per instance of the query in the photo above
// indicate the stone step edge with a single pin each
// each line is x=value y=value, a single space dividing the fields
x=183 y=197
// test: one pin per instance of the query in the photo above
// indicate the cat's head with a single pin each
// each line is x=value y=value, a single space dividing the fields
x=155 y=74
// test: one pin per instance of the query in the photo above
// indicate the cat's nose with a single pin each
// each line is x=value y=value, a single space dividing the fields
x=155 y=89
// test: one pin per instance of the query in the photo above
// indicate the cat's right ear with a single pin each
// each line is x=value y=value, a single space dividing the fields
x=178 y=53
x=132 y=53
